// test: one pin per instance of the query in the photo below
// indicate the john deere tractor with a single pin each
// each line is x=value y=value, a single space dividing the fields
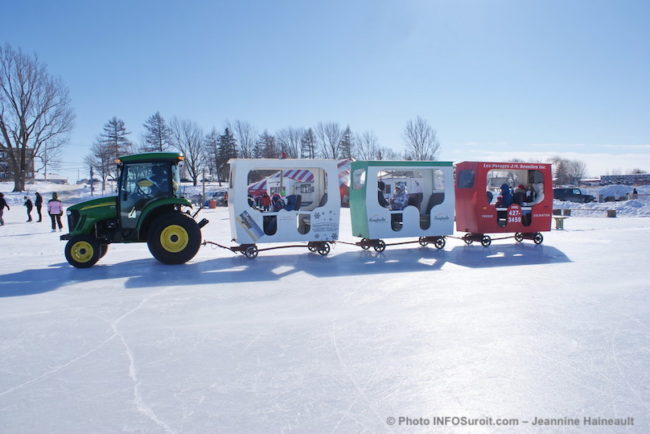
x=148 y=208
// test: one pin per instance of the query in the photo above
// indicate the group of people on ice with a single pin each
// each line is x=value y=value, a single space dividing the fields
x=54 y=209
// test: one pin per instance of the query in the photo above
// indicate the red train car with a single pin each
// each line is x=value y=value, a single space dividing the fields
x=503 y=198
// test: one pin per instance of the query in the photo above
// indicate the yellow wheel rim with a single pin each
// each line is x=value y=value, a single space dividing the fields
x=174 y=238
x=82 y=251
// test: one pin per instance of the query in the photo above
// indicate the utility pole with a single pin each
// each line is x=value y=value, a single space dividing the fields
x=203 y=195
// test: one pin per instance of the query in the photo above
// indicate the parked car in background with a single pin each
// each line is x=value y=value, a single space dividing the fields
x=221 y=197
x=572 y=195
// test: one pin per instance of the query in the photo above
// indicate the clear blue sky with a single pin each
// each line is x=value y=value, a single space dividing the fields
x=497 y=79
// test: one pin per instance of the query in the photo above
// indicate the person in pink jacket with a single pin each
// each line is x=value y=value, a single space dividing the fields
x=55 y=210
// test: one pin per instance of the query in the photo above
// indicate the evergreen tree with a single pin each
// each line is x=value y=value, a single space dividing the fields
x=157 y=134
x=114 y=142
x=227 y=149
x=266 y=146
x=345 y=146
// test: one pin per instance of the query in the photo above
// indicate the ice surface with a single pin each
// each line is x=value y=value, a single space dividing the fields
x=292 y=341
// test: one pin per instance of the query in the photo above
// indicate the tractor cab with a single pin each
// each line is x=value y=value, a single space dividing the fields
x=143 y=182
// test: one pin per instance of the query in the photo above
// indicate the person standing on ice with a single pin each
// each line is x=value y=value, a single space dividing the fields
x=28 y=204
x=38 y=203
x=3 y=204
x=55 y=210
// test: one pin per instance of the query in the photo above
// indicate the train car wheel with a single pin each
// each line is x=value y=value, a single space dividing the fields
x=538 y=239
x=519 y=237
x=323 y=249
x=423 y=242
x=486 y=241
x=251 y=252
x=380 y=246
x=440 y=243
x=467 y=239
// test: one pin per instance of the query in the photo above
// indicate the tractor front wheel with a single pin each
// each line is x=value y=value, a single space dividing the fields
x=82 y=251
x=174 y=238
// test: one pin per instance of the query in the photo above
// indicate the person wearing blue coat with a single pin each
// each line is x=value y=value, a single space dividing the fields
x=506 y=196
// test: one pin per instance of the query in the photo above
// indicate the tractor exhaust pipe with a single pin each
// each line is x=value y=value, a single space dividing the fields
x=203 y=223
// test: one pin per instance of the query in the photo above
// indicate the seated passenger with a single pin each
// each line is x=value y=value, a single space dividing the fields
x=506 y=197
x=520 y=195
x=277 y=203
x=380 y=195
x=490 y=196
x=399 y=199
x=530 y=194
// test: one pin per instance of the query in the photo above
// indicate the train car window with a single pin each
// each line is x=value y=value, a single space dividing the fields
x=466 y=179
x=358 y=179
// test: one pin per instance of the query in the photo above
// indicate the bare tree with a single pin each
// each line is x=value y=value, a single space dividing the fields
x=567 y=171
x=34 y=111
x=101 y=160
x=49 y=158
x=187 y=137
x=329 y=137
x=366 y=146
x=245 y=135
x=289 y=141
x=577 y=171
x=420 y=139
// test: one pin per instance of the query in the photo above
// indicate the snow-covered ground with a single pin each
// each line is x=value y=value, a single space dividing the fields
x=293 y=341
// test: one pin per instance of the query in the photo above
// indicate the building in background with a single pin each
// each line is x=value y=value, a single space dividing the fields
x=5 y=167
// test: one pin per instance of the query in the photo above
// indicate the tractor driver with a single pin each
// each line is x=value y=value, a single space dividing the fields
x=160 y=179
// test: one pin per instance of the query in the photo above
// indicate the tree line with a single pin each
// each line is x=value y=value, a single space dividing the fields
x=209 y=152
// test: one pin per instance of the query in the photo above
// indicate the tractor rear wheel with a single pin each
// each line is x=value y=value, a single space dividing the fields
x=82 y=251
x=174 y=238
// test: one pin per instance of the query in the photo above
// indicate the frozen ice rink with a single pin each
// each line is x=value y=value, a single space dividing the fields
x=292 y=341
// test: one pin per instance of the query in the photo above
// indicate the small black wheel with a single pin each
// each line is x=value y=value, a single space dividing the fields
x=364 y=244
x=486 y=241
x=380 y=246
x=440 y=243
x=423 y=242
x=323 y=249
x=103 y=248
x=467 y=239
x=538 y=239
x=311 y=247
x=251 y=252
x=82 y=251
x=519 y=237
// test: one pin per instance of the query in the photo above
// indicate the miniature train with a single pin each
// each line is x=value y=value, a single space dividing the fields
x=299 y=201
x=293 y=201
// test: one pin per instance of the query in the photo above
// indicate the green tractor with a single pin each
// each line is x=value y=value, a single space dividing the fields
x=147 y=208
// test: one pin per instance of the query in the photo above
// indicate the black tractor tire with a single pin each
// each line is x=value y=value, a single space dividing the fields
x=82 y=251
x=103 y=248
x=174 y=238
